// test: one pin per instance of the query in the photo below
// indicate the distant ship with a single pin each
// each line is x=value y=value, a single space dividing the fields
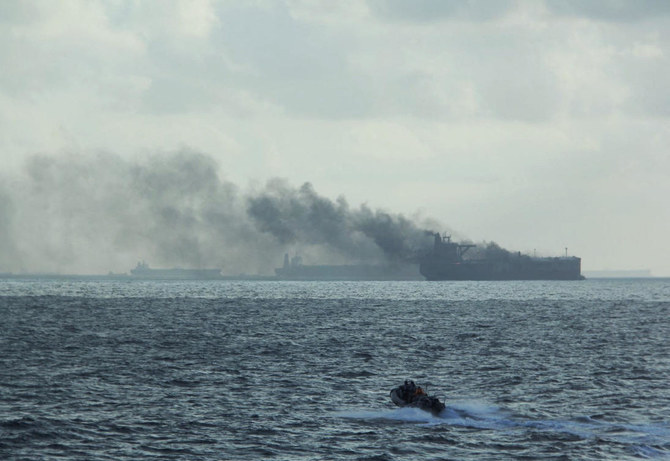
x=143 y=271
x=294 y=269
x=446 y=262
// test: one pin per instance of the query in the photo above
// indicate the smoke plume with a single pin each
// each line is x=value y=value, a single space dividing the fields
x=96 y=212
x=302 y=216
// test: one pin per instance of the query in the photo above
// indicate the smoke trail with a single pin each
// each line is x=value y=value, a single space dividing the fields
x=90 y=213
x=300 y=215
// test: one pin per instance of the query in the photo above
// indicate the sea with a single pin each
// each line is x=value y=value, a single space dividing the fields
x=240 y=370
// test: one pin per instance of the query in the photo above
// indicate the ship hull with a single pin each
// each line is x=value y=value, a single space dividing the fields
x=519 y=269
x=143 y=271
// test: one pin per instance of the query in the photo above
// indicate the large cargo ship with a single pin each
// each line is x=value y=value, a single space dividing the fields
x=447 y=262
x=294 y=269
x=143 y=271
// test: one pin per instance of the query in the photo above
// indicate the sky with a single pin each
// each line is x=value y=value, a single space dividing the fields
x=540 y=125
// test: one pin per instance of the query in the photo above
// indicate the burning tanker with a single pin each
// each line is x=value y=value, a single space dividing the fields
x=447 y=261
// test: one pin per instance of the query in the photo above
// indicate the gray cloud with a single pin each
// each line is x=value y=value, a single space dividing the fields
x=253 y=56
x=435 y=10
x=300 y=66
x=610 y=10
x=483 y=10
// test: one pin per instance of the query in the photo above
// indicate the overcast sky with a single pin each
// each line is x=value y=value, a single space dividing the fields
x=539 y=125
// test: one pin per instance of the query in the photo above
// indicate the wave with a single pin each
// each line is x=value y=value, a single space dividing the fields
x=643 y=440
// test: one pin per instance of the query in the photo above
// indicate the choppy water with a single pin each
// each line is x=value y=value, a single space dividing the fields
x=264 y=370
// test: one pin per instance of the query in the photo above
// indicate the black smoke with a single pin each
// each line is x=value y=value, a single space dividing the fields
x=95 y=212
x=489 y=251
x=300 y=215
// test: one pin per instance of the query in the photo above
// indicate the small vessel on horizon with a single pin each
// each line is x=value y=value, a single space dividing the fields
x=294 y=269
x=143 y=271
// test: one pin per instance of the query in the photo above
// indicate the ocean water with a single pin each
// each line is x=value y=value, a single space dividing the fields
x=222 y=370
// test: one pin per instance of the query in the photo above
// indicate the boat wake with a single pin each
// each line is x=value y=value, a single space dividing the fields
x=646 y=440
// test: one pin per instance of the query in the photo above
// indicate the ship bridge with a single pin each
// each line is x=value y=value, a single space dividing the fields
x=450 y=251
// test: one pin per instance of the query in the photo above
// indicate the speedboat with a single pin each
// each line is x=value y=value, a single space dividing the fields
x=411 y=395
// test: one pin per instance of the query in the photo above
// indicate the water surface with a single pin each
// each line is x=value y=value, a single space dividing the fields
x=134 y=370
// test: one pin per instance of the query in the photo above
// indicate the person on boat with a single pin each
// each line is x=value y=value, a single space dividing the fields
x=408 y=390
x=419 y=391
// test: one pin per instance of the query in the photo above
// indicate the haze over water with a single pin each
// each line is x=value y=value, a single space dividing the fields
x=139 y=370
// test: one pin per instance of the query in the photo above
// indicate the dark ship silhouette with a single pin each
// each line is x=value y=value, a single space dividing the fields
x=294 y=269
x=446 y=262
x=143 y=271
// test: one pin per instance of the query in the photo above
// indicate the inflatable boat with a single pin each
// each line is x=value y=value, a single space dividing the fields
x=411 y=395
